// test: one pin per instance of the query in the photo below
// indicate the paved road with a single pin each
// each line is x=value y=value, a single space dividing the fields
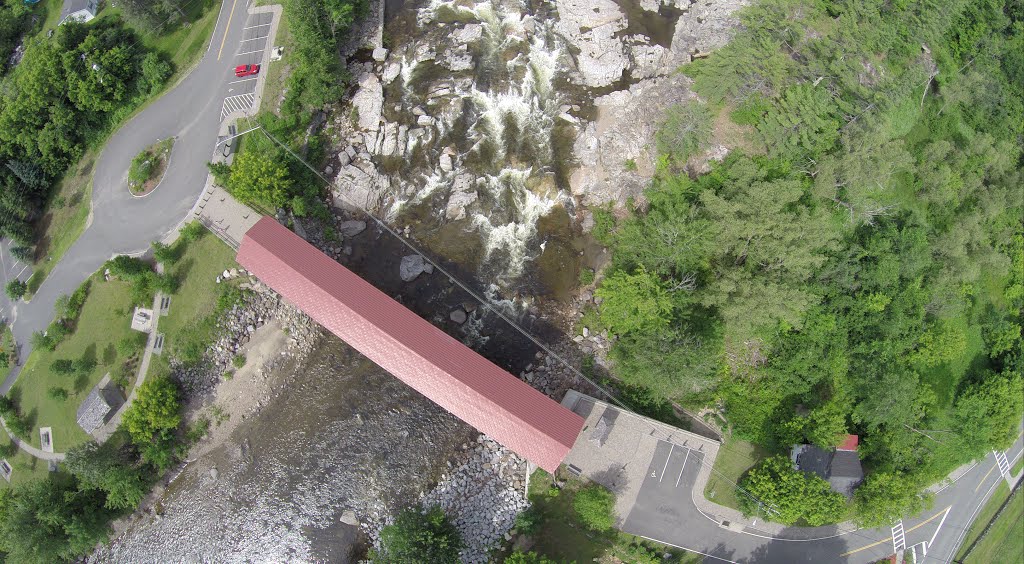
x=664 y=510
x=124 y=224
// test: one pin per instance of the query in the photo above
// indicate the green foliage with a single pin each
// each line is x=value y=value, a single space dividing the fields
x=604 y=225
x=419 y=536
x=57 y=393
x=152 y=420
x=586 y=276
x=192 y=231
x=988 y=411
x=774 y=489
x=238 y=361
x=16 y=289
x=63 y=366
x=685 y=131
x=259 y=178
x=528 y=521
x=131 y=345
x=221 y=172
x=51 y=520
x=884 y=498
x=520 y=557
x=155 y=72
x=804 y=122
x=104 y=468
x=634 y=302
x=594 y=506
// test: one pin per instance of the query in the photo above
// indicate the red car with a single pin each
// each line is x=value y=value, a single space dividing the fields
x=247 y=70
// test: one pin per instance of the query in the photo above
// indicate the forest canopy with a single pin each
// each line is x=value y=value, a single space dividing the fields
x=862 y=269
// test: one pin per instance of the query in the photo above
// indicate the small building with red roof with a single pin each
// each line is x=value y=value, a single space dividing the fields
x=839 y=466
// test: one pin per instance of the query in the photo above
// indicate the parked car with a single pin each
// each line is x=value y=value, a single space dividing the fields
x=247 y=70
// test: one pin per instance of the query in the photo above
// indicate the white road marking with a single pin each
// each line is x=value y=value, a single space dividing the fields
x=250 y=52
x=253 y=38
x=1004 y=465
x=684 y=466
x=899 y=541
x=672 y=447
x=936 y=533
x=255 y=26
x=241 y=102
x=243 y=80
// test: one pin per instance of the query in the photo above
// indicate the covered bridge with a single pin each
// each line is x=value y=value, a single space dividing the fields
x=414 y=351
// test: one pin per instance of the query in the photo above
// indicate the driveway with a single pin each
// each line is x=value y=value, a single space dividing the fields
x=121 y=223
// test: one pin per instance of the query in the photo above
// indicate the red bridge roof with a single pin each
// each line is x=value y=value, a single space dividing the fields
x=414 y=351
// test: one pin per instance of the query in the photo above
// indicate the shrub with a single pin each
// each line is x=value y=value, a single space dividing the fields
x=593 y=505
x=528 y=521
x=520 y=557
x=238 y=360
x=62 y=366
x=43 y=341
x=192 y=231
x=131 y=344
x=782 y=494
x=57 y=393
x=84 y=364
x=16 y=289
x=587 y=276
x=685 y=131
x=419 y=536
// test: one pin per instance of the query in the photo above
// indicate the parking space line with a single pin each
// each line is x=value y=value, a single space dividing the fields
x=683 y=467
x=251 y=52
x=255 y=26
x=243 y=80
x=667 y=458
x=253 y=38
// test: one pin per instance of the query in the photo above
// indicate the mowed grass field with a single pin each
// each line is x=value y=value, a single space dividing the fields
x=735 y=457
x=105 y=320
x=1004 y=542
x=201 y=261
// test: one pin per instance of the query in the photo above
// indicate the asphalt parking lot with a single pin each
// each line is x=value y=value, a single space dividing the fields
x=241 y=92
x=663 y=505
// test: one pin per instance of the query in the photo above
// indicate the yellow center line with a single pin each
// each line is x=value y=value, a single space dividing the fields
x=887 y=539
x=226 y=28
x=926 y=521
x=984 y=478
x=872 y=545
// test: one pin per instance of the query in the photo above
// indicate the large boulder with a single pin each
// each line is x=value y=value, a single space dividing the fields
x=369 y=102
x=352 y=228
x=593 y=28
x=412 y=266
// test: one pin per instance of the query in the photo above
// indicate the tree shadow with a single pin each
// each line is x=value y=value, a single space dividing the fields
x=109 y=354
x=89 y=355
x=31 y=418
x=81 y=383
x=15 y=396
x=182 y=270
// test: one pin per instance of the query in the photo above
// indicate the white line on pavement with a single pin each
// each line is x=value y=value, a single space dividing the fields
x=250 y=52
x=684 y=466
x=255 y=26
x=936 y=533
x=253 y=38
x=243 y=80
x=672 y=447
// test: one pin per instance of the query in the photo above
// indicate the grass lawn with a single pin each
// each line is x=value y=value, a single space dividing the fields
x=984 y=517
x=105 y=320
x=25 y=468
x=563 y=538
x=1004 y=543
x=197 y=269
x=1017 y=467
x=734 y=458
x=278 y=70
x=66 y=215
